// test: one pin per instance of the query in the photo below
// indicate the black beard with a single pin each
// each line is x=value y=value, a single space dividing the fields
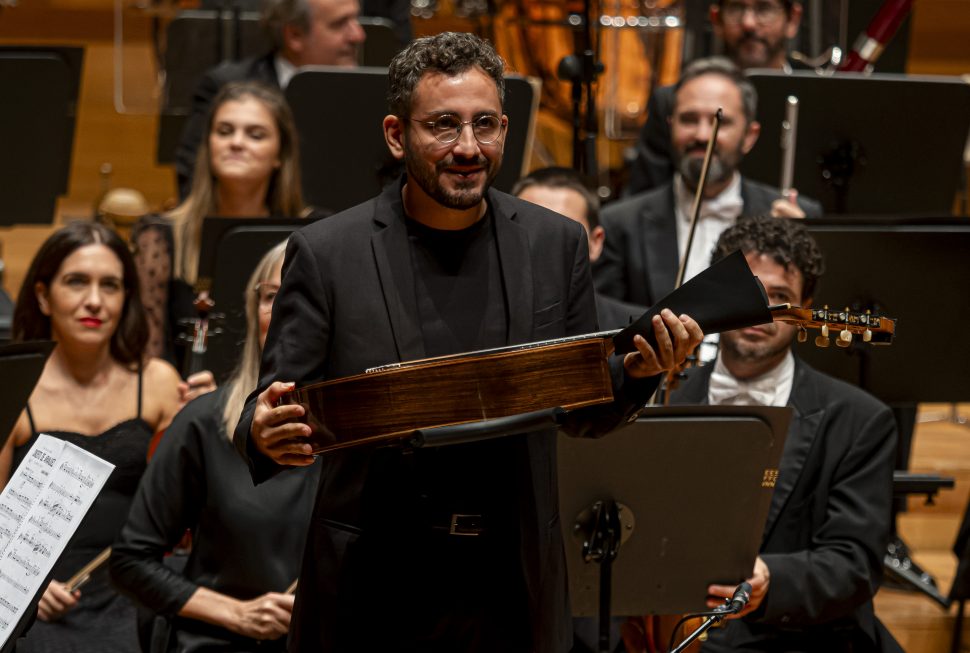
x=738 y=350
x=690 y=169
x=418 y=171
x=772 y=50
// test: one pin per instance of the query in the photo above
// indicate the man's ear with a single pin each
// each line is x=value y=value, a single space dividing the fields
x=40 y=291
x=293 y=39
x=751 y=136
x=794 y=21
x=597 y=237
x=394 y=135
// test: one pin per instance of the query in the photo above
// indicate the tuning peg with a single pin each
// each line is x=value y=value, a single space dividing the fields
x=821 y=341
x=839 y=342
x=845 y=335
x=867 y=335
x=825 y=330
x=802 y=334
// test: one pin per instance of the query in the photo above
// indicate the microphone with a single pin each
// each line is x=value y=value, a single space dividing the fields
x=742 y=594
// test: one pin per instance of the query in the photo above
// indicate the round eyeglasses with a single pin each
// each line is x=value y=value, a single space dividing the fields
x=447 y=128
x=764 y=12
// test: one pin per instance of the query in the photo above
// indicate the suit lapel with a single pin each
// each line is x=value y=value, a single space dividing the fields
x=513 y=252
x=801 y=437
x=658 y=229
x=392 y=255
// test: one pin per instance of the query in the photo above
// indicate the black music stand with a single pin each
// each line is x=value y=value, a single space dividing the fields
x=345 y=161
x=867 y=144
x=198 y=40
x=23 y=361
x=37 y=130
x=914 y=270
x=229 y=252
x=642 y=502
x=901 y=268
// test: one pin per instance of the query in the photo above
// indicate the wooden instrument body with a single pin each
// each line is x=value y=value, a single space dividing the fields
x=393 y=401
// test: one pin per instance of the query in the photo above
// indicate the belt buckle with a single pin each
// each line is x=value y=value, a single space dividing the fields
x=466 y=525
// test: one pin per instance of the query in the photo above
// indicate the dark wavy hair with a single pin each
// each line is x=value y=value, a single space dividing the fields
x=785 y=240
x=29 y=322
x=449 y=53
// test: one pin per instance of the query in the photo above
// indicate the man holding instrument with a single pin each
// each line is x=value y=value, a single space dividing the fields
x=821 y=556
x=457 y=548
x=646 y=235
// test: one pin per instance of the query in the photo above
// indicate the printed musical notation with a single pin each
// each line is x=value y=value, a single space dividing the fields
x=78 y=473
x=57 y=509
x=73 y=498
x=32 y=480
x=36 y=546
x=40 y=509
x=25 y=562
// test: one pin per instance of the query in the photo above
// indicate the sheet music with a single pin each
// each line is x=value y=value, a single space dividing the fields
x=40 y=509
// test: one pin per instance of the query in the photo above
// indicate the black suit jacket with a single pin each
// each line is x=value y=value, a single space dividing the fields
x=259 y=69
x=614 y=314
x=347 y=303
x=640 y=260
x=828 y=524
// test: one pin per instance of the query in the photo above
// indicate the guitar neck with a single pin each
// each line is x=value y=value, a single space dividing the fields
x=875 y=329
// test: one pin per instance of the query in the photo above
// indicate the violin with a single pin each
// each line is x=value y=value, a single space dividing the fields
x=197 y=332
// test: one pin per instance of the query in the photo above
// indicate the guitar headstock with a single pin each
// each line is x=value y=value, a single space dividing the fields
x=844 y=324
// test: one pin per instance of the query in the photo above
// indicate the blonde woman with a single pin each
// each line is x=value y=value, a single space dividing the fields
x=247 y=541
x=248 y=167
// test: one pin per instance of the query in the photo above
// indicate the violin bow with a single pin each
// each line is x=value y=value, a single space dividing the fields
x=699 y=195
x=661 y=396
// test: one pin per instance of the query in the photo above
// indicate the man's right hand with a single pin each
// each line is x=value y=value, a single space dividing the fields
x=274 y=432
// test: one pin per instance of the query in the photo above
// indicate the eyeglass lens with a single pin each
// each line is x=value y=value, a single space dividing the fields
x=447 y=128
x=762 y=11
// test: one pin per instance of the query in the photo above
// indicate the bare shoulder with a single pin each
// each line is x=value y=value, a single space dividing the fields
x=160 y=393
x=161 y=372
x=21 y=432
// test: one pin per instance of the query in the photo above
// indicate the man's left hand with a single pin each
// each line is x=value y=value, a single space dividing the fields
x=787 y=207
x=759 y=582
x=676 y=337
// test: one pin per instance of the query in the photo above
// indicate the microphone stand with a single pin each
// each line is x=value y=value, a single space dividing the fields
x=734 y=605
x=582 y=68
x=710 y=622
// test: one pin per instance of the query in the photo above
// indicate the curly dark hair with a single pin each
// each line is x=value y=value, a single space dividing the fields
x=450 y=53
x=30 y=323
x=784 y=240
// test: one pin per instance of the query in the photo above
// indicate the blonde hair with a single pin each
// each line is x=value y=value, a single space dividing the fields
x=246 y=376
x=283 y=197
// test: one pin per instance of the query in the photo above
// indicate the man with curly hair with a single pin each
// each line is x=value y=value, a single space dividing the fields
x=823 y=544
x=457 y=548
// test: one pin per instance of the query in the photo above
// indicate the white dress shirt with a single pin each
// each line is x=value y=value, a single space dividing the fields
x=717 y=214
x=770 y=389
x=284 y=70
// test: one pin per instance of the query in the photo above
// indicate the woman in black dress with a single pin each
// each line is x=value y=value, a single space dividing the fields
x=247 y=542
x=99 y=392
